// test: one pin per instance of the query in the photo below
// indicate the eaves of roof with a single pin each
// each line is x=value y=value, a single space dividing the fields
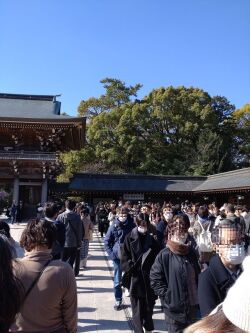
x=54 y=119
x=231 y=180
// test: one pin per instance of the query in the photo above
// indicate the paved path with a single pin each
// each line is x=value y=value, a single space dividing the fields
x=95 y=294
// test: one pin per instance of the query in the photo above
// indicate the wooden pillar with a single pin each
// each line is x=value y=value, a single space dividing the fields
x=16 y=190
x=44 y=193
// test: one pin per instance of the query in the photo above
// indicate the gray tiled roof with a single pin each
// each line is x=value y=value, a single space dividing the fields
x=227 y=180
x=30 y=106
x=138 y=183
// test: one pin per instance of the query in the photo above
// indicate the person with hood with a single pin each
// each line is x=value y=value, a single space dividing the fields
x=224 y=267
x=174 y=276
x=138 y=255
x=113 y=243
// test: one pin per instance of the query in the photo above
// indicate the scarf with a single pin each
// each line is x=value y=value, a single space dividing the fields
x=203 y=220
x=176 y=248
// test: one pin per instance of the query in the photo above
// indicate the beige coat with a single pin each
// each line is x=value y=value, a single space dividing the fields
x=52 y=303
x=88 y=227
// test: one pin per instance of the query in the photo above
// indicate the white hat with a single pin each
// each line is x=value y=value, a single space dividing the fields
x=236 y=305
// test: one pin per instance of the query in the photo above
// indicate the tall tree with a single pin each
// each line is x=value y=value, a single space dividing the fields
x=242 y=119
x=116 y=94
x=171 y=131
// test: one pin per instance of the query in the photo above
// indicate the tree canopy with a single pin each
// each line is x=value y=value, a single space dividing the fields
x=117 y=94
x=242 y=135
x=172 y=130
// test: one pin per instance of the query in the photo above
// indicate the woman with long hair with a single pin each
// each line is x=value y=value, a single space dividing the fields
x=10 y=287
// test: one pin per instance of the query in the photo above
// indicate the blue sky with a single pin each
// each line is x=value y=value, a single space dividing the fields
x=67 y=46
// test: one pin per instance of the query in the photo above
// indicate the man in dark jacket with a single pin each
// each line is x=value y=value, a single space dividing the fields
x=73 y=235
x=224 y=267
x=102 y=217
x=113 y=242
x=139 y=252
x=230 y=215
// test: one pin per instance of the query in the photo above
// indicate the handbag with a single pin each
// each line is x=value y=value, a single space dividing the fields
x=126 y=277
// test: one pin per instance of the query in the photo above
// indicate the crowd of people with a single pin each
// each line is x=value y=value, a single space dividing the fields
x=189 y=256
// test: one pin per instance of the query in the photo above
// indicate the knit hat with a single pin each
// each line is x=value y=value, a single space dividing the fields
x=236 y=305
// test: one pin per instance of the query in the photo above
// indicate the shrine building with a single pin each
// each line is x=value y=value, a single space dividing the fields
x=232 y=186
x=32 y=134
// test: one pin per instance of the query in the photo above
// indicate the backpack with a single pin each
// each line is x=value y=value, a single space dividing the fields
x=204 y=239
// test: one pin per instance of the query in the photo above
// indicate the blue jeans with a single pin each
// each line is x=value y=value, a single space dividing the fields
x=117 y=279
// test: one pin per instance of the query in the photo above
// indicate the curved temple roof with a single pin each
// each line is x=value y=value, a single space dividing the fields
x=228 y=181
x=40 y=112
x=139 y=183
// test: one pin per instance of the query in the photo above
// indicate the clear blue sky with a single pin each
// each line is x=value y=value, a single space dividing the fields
x=67 y=46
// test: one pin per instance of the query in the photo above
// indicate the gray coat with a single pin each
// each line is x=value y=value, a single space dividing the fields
x=73 y=228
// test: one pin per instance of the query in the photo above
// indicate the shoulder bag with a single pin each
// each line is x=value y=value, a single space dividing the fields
x=36 y=280
x=126 y=277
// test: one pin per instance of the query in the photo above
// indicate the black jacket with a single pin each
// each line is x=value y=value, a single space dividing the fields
x=169 y=281
x=136 y=245
x=213 y=285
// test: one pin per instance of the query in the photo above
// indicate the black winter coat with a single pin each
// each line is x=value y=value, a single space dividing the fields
x=168 y=277
x=213 y=285
x=133 y=248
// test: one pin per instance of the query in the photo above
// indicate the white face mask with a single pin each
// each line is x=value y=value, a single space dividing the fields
x=142 y=230
x=168 y=216
x=178 y=239
x=235 y=254
x=122 y=218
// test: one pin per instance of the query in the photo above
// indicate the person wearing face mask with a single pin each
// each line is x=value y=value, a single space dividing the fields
x=139 y=252
x=161 y=227
x=224 y=268
x=113 y=244
x=174 y=276
x=202 y=229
